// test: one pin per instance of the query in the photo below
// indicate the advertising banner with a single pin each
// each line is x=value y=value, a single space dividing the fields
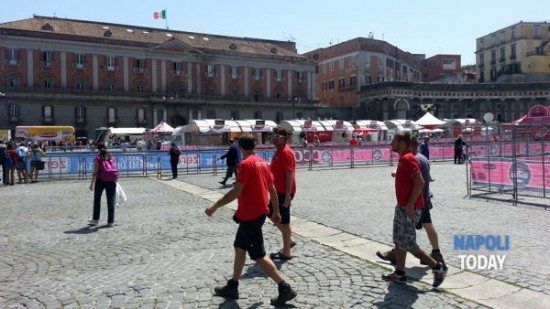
x=531 y=175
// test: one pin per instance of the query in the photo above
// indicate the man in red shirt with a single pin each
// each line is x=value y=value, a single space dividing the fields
x=253 y=188
x=283 y=167
x=408 y=190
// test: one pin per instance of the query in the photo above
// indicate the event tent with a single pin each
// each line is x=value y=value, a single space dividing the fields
x=162 y=127
x=429 y=121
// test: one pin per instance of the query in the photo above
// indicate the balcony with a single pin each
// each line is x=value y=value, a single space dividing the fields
x=47 y=64
x=140 y=70
x=141 y=122
x=502 y=59
x=13 y=62
x=112 y=121
x=481 y=65
x=79 y=66
x=493 y=61
x=80 y=121
x=176 y=72
x=110 y=68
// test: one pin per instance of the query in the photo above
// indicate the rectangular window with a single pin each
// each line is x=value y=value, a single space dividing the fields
x=331 y=85
x=341 y=64
x=14 y=112
x=367 y=61
x=47 y=113
x=13 y=56
x=502 y=57
x=80 y=114
x=353 y=81
x=141 y=115
x=257 y=74
x=210 y=70
x=279 y=75
x=493 y=56
x=536 y=32
x=79 y=61
x=299 y=77
x=111 y=115
x=513 y=51
x=47 y=83
x=176 y=68
x=234 y=72
x=47 y=59
x=140 y=66
x=110 y=63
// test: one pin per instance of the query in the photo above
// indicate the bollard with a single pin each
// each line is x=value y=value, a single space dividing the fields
x=159 y=169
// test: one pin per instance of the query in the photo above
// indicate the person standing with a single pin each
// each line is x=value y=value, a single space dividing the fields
x=104 y=177
x=36 y=162
x=231 y=160
x=408 y=189
x=11 y=163
x=459 y=143
x=174 y=153
x=22 y=153
x=3 y=162
x=283 y=168
x=425 y=148
x=253 y=188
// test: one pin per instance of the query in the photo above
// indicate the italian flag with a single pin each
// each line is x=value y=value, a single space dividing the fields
x=161 y=14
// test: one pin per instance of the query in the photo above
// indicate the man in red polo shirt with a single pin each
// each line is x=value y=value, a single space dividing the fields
x=253 y=188
x=283 y=167
x=408 y=190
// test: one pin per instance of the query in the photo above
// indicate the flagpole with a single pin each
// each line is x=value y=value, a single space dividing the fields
x=166 y=19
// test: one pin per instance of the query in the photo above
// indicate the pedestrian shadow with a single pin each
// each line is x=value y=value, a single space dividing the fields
x=229 y=304
x=417 y=272
x=82 y=230
x=255 y=271
x=399 y=295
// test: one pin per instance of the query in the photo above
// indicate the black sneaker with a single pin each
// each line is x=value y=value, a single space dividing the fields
x=285 y=294
x=439 y=274
x=230 y=290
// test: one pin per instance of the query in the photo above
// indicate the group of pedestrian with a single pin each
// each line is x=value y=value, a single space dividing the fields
x=262 y=190
x=23 y=158
x=412 y=180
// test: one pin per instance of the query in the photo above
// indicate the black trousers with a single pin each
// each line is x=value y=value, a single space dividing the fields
x=230 y=170
x=110 y=189
x=174 y=165
x=458 y=156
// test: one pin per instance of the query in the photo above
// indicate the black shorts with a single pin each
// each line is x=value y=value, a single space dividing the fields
x=250 y=237
x=425 y=217
x=284 y=211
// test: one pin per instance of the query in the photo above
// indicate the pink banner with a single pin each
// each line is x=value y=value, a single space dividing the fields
x=531 y=175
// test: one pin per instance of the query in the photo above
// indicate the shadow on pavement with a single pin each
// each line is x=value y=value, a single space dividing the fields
x=82 y=230
x=417 y=272
x=229 y=303
x=255 y=270
x=399 y=295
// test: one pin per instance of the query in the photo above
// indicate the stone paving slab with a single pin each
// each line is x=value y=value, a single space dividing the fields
x=167 y=254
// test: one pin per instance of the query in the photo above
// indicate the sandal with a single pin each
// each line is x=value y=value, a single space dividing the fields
x=279 y=256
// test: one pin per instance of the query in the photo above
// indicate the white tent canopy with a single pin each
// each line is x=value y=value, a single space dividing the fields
x=372 y=124
x=429 y=121
x=163 y=127
x=127 y=131
x=213 y=126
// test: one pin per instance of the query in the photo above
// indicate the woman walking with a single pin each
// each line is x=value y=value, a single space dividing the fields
x=104 y=177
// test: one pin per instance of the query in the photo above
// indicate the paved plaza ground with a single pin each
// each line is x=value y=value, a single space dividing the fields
x=164 y=252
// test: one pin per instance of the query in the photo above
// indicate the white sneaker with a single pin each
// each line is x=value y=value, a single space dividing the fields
x=92 y=222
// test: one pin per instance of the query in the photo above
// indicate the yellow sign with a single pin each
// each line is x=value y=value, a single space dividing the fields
x=45 y=133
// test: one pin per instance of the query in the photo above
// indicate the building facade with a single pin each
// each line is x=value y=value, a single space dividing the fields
x=406 y=100
x=343 y=68
x=442 y=69
x=519 y=53
x=90 y=74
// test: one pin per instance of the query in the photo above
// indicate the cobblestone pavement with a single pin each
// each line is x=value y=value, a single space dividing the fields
x=361 y=200
x=164 y=253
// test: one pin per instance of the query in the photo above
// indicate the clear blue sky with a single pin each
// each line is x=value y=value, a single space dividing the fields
x=418 y=26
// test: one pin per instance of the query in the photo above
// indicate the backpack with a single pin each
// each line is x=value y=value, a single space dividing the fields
x=108 y=170
x=21 y=153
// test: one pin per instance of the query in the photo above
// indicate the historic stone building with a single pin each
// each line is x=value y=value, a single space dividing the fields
x=407 y=100
x=90 y=74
